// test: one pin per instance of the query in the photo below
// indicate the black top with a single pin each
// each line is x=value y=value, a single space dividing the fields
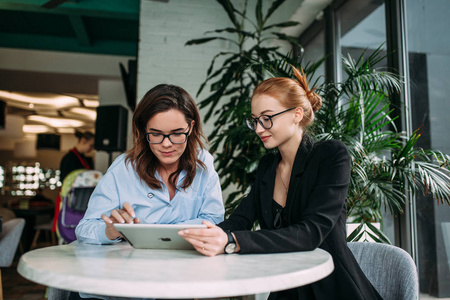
x=279 y=215
x=315 y=218
x=71 y=162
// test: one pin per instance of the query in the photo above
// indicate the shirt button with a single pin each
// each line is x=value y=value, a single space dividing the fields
x=150 y=195
x=169 y=205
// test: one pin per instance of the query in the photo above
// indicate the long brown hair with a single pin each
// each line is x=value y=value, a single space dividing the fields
x=159 y=99
x=292 y=93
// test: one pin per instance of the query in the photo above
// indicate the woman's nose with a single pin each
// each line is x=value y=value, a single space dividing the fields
x=166 y=142
x=259 y=128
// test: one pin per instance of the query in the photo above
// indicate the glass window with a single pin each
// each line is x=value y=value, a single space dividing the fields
x=429 y=70
x=362 y=27
x=363 y=30
x=313 y=52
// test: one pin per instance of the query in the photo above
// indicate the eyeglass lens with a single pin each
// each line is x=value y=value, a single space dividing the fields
x=264 y=121
x=174 y=138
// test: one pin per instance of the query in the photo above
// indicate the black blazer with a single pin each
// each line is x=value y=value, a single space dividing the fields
x=315 y=212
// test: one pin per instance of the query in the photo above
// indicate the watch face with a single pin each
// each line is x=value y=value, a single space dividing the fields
x=230 y=248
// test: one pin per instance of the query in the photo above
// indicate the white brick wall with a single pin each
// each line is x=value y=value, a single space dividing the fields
x=166 y=27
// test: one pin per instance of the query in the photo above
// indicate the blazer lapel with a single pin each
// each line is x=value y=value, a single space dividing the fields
x=301 y=159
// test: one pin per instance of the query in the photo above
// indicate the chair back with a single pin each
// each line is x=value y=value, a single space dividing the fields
x=9 y=240
x=6 y=214
x=75 y=194
x=390 y=269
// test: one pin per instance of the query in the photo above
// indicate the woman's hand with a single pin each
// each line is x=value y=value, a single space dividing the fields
x=210 y=241
x=124 y=215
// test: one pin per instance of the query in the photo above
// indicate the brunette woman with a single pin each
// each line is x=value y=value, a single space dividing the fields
x=166 y=178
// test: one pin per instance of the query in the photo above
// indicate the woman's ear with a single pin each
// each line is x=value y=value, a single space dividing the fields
x=298 y=115
x=191 y=126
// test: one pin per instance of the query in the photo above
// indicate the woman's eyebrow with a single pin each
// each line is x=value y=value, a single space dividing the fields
x=264 y=112
x=173 y=130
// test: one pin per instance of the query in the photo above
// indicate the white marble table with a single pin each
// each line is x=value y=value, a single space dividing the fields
x=120 y=270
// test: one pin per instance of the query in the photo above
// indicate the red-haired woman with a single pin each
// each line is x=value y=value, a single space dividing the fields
x=298 y=198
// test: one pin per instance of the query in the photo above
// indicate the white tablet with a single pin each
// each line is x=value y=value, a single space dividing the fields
x=155 y=236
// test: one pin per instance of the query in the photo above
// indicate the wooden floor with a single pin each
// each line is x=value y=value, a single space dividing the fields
x=16 y=287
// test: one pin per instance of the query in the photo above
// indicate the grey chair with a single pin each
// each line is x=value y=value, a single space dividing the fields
x=57 y=294
x=9 y=240
x=390 y=269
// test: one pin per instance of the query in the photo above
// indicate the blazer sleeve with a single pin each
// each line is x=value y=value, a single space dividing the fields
x=325 y=204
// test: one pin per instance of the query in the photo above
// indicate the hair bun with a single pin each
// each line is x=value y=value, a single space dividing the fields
x=315 y=100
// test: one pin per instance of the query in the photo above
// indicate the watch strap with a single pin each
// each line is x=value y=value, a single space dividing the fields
x=230 y=237
x=230 y=247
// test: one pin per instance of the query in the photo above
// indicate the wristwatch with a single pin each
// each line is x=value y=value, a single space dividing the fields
x=230 y=247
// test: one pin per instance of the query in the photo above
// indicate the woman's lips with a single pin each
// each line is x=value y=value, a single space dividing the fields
x=168 y=153
x=264 y=138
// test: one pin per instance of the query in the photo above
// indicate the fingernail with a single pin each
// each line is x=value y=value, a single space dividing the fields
x=122 y=221
x=180 y=233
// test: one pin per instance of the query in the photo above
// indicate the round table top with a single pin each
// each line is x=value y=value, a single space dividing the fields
x=120 y=270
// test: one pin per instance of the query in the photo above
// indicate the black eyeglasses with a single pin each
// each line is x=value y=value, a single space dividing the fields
x=174 y=138
x=266 y=121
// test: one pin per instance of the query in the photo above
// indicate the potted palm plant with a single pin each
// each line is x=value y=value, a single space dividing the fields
x=232 y=75
x=385 y=162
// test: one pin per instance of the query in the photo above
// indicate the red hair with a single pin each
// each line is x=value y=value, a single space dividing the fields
x=292 y=93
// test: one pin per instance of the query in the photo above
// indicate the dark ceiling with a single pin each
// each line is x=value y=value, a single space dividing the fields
x=87 y=26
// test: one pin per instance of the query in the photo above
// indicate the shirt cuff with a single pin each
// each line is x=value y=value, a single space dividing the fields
x=104 y=239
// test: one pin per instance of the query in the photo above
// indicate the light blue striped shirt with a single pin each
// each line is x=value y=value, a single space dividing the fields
x=200 y=201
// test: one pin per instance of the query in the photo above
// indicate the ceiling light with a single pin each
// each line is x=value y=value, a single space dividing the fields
x=56 y=122
x=91 y=103
x=65 y=130
x=53 y=100
x=36 y=129
x=89 y=113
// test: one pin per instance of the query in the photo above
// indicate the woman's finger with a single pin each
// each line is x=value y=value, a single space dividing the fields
x=201 y=233
x=107 y=220
x=129 y=209
x=117 y=215
x=207 y=249
x=126 y=216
